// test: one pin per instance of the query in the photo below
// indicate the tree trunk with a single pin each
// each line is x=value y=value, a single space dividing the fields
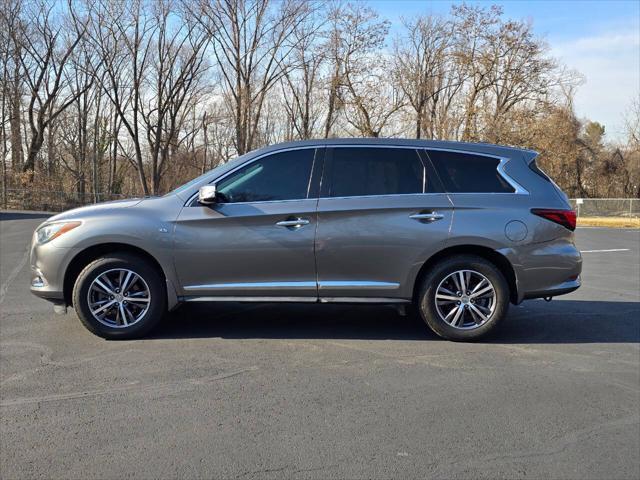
x=16 y=121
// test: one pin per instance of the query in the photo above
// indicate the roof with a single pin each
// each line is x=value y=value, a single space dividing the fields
x=487 y=148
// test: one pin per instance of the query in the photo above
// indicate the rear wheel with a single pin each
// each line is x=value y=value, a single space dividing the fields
x=120 y=296
x=464 y=297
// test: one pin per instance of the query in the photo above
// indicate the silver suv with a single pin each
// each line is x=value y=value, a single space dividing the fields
x=459 y=230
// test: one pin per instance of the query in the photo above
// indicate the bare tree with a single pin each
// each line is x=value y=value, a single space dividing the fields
x=425 y=70
x=301 y=85
x=47 y=49
x=122 y=33
x=253 y=43
x=12 y=40
x=176 y=71
x=359 y=78
x=476 y=31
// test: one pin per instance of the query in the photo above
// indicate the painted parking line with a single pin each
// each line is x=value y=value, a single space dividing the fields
x=607 y=250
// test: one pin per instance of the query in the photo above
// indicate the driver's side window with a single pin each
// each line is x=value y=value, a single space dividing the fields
x=280 y=176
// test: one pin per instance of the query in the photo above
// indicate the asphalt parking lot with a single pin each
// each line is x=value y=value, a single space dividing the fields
x=272 y=391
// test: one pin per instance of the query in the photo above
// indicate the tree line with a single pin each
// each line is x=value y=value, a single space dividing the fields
x=138 y=96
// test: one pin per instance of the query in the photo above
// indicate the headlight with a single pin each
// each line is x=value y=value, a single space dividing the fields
x=48 y=232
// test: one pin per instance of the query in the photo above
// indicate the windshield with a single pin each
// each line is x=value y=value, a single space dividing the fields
x=220 y=169
x=189 y=184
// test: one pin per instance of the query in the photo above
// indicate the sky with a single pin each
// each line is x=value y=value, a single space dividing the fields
x=599 y=39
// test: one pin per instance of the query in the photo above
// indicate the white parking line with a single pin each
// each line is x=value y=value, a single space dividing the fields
x=609 y=250
x=14 y=273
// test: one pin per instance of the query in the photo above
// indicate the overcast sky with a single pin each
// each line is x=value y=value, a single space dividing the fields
x=600 y=39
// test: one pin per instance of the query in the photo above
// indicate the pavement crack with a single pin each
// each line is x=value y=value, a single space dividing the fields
x=130 y=387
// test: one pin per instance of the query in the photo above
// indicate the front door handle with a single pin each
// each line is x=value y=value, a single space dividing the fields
x=295 y=223
x=427 y=217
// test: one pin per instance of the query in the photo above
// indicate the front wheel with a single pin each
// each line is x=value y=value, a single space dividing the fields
x=464 y=297
x=120 y=296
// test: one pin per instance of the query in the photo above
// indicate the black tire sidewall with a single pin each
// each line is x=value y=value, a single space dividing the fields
x=153 y=278
x=441 y=270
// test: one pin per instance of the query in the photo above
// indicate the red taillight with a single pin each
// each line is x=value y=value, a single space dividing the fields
x=566 y=218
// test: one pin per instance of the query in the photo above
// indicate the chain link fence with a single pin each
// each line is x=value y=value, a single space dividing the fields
x=52 y=201
x=58 y=201
x=606 y=207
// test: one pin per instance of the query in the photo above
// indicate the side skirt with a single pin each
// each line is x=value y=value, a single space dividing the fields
x=363 y=300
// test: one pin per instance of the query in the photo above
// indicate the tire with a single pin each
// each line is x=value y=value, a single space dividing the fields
x=143 y=303
x=479 y=314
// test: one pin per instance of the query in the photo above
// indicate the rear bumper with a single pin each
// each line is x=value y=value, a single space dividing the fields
x=547 y=269
x=560 y=289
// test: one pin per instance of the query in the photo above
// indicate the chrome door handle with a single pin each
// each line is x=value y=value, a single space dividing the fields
x=298 y=222
x=430 y=217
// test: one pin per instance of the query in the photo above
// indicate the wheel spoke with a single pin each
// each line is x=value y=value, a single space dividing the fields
x=456 y=283
x=451 y=312
x=99 y=302
x=446 y=291
x=487 y=310
x=478 y=312
x=106 y=289
x=123 y=315
x=107 y=280
x=480 y=284
x=104 y=307
x=463 y=283
x=458 y=316
x=481 y=292
x=124 y=281
x=137 y=299
x=450 y=298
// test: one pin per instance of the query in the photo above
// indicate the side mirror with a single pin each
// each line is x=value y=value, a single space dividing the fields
x=207 y=195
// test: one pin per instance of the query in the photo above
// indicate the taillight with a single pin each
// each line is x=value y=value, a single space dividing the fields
x=566 y=218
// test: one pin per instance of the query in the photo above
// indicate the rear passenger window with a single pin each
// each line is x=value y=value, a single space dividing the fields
x=376 y=171
x=468 y=173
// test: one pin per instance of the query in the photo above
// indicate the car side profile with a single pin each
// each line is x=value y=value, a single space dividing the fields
x=459 y=230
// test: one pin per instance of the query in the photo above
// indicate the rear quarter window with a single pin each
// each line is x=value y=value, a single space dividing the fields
x=468 y=173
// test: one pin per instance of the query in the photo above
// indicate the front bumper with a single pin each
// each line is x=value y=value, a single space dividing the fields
x=48 y=265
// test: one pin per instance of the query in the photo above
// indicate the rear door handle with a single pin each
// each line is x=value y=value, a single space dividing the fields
x=429 y=217
x=295 y=223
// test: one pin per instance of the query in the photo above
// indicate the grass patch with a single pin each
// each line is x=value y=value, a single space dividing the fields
x=613 y=222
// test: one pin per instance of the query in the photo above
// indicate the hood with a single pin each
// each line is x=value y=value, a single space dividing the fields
x=97 y=208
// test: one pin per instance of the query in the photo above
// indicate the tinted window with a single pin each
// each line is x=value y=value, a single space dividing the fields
x=463 y=172
x=375 y=171
x=280 y=176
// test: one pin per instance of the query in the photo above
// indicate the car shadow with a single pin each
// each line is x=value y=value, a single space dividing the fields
x=536 y=321
x=9 y=215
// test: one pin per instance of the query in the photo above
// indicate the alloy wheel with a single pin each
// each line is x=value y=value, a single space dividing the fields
x=118 y=298
x=465 y=299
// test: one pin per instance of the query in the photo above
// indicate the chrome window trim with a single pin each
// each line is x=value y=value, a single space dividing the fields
x=519 y=189
x=358 y=284
x=301 y=285
x=385 y=196
x=189 y=202
x=362 y=300
x=206 y=298
x=251 y=286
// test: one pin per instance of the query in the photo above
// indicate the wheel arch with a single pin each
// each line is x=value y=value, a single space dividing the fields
x=499 y=260
x=89 y=254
